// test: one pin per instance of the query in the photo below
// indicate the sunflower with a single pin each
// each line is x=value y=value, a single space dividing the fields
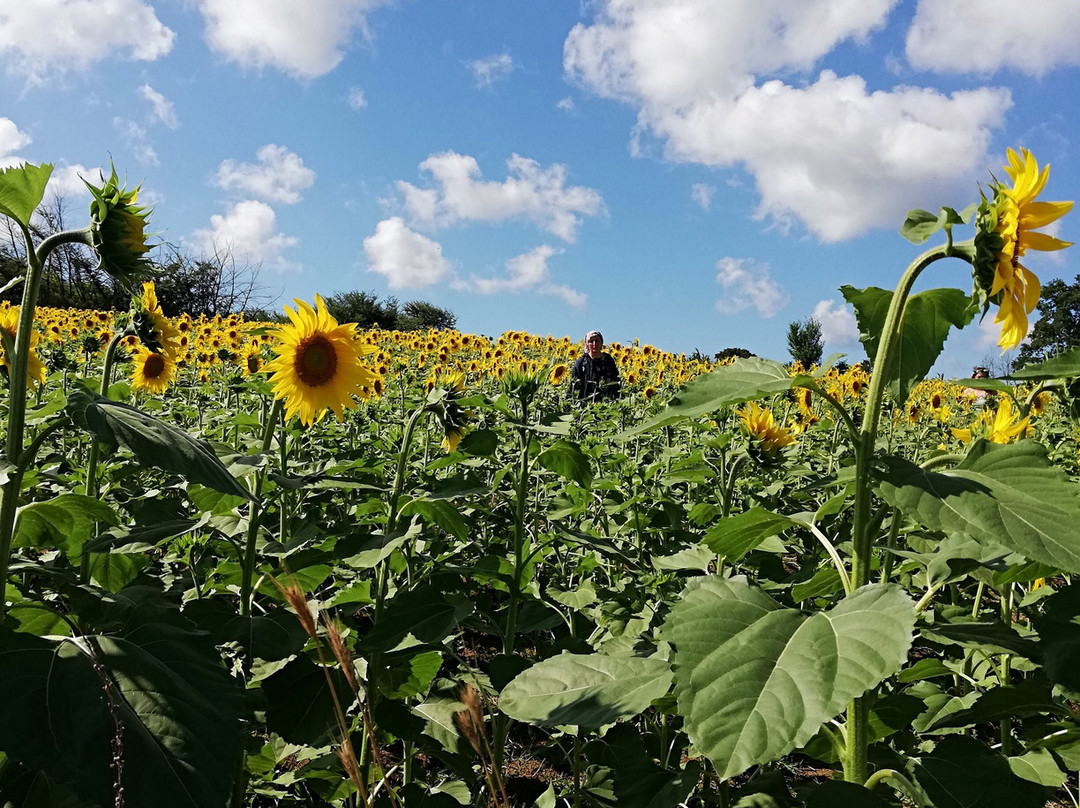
x=118 y=227
x=759 y=423
x=9 y=324
x=152 y=371
x=997 y=427
x=649 y=392
x=558 y=374
x=1007 y=229
x=153 y=327
x=318 y=363
x=443 y=402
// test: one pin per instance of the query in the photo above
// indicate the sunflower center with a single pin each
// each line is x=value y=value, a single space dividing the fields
x=253 y=363
x=316 y=361
x=154 y=366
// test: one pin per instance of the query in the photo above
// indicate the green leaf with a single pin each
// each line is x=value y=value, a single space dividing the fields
x=928 y=316
x=412 y=675
x=1038 y=766
x=568 y=461
x=480 y=443
x=755 y=680
x=585 y=690
x=639 y=781
x=833 y=793
x=299 y=704
x=153 y=442
x=963 y=773
x=1008 y=495
x=441 y=513
x=1064 y=365
x=178 y=705
x=21 y=190
x=1059 y=637
x=735 y=536
x=921 y=224
x=741 y=381
x=65 y=522
x=1029 y=697
x=424 y=615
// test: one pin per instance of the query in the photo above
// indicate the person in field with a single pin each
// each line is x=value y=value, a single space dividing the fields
x=595 y=375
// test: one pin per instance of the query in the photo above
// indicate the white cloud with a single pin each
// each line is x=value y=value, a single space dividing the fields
x=306 y=40
x=404 y=257
x=702 y=194
x=356 y=98
x=565 y=104
x=529 y=192
x=526 y=272
x=982 y=36
x=11 y=140
x=747 y=283
x=164 y=110
x=830 y=153
x=67 y=182
x=134 y=134
x=279 y=176
x=248 y=232
x=496 y=67
x=46 y=37
x=838 y=326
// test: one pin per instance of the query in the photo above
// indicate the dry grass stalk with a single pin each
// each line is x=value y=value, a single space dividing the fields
x=470 y=722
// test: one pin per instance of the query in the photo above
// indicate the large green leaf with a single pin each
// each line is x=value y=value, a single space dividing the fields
x=741 y=381
x=567 y=460
x=153 y=442
x=423 y=615
x=178 y=705
x=755 y=680
x=1059 y=638
x=299 y=704
x=65 y=521
x=735 y=536
x=1064 y=365
x=21 y=190
x=928 y=316
x=963 y=773
x=585 y=690
x=1008 y=495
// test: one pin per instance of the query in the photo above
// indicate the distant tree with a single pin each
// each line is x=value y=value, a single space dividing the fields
x=365 y=309
x=999 y=364
x=419 y=315
x=737 y=353
x=805 y=343
x=213 y=284
x=1058 y=326
x=260 y=315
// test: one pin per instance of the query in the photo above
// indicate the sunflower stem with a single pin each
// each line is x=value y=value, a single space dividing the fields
x=247 y=572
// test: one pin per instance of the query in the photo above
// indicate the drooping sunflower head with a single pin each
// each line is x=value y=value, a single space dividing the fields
x=317 y=366
x=1007 y=226
x=150 y=323
x=119 y=229
x=444 y=402
x=152 y=371
x=766 y=434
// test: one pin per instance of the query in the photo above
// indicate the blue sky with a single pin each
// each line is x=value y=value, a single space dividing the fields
x=693 y=173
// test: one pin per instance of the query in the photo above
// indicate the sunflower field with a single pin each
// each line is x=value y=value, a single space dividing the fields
x=304 y=564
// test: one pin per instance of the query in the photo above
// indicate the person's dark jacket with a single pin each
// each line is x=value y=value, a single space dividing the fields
x=594 y=379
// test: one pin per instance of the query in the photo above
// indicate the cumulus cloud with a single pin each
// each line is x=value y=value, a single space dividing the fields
x=134 y=134
x=163 y=108
x=830 y=153
x=702 y=195
x=305 y=40
x=404 y=257
x=529 y=192
x=278 y=176
x=565 y=104
x=526 y=272
x=356 y=98
x=747 y=283
x=496 y=67
x=837 y=320
x=66 y=181
x=248 y=232
x=982 y=36
x=47 y=37
x=11 y=140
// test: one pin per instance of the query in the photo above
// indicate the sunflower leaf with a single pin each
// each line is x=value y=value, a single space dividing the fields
x=153 y=442
x=928 y=316
x=1064 y=365
x=1010 y=495
x=21 y=190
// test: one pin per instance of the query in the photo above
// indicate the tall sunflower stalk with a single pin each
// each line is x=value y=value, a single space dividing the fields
x=1006 y=227
x=117 y=234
